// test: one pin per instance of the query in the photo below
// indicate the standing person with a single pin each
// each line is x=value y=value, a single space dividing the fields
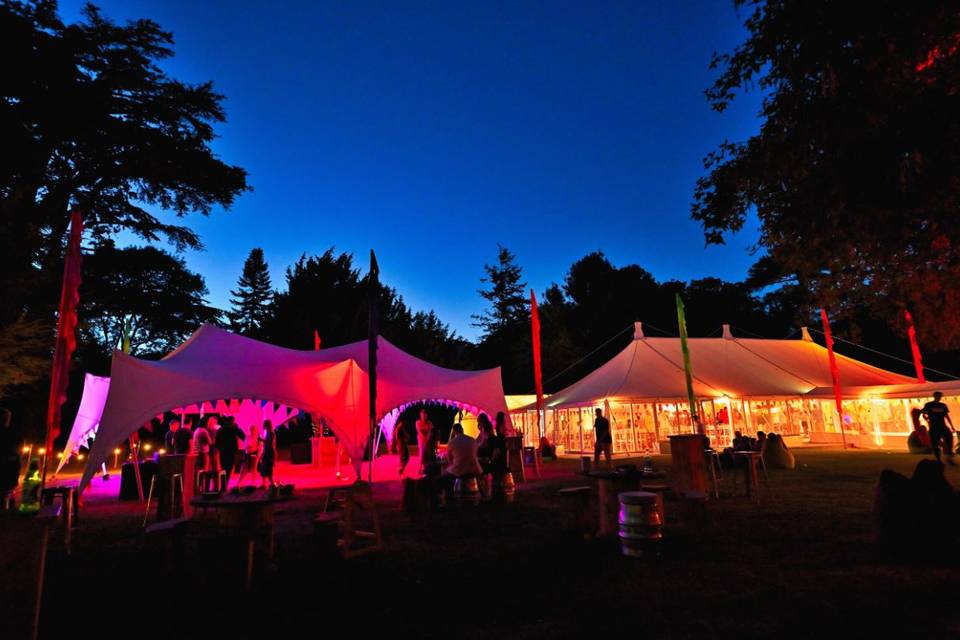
x=268 y=455
x=252 y=453
x=183 y=438
x=501 y=424
x=10 y=443
x=938 y=417
x=227 y=442
x=213 y=425
x=170 y=439
x=400 y=443
x=201 y=446
x=424 y=427
x=604 y=439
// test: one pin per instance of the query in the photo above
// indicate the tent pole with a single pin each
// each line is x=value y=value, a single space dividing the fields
x=136 y=468
x=656 y=424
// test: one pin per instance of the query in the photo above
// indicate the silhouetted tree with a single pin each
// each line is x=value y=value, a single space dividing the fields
x=326 y=293
x=505 y=292
x=251 y=299
x=853 y=172
x=89 y=119
x=160 y=300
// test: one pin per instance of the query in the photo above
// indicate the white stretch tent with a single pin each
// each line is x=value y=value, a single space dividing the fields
x=214 y=364
x=85 y=425
x=652 y=368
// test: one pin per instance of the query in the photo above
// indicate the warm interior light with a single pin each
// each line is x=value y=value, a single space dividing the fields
x=26 y=449
x=116 y=452
x=42 y=451
x=79 y=456
x=162 y=452
x=59 y=455
x=146 y=447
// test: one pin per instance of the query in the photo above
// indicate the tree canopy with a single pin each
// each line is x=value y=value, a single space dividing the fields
x=146 y=289
x=251 y=299
x=853 y=173
x=89 y=119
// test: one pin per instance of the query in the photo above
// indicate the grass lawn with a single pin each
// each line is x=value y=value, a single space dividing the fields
x=798 y=564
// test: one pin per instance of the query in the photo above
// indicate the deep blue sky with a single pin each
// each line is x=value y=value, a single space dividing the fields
x=432 y=131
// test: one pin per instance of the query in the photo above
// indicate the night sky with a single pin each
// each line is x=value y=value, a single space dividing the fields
x=432 y=131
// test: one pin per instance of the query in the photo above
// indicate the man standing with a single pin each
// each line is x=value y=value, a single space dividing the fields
x=170 y=440
x=183 y=438
x=227 y=442
x=938 y=417
x=604 y=440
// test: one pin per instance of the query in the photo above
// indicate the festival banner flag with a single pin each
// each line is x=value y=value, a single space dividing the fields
x=537 y=374
x=834 y=372
x=373 y=329
x=66 y=340
x=914 y=347
x=687 y=368
x=316 y=340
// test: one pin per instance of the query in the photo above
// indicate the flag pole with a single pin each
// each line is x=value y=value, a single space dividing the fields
x=834 y=373
x=66 y=339
x=537 y=375
x=134 y=450
x=914 y=347
x=687 y=368
x=373 y=330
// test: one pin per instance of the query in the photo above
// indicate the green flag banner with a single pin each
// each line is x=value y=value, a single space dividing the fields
x=687 y=369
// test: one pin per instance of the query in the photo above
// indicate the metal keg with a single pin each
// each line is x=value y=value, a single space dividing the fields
x=640 y=522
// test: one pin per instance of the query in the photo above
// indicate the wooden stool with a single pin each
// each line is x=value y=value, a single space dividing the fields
x=176 y=481
x=216 y=479
x=337 y=498
x=69 y=509
x=466 y=489
x=171 y=534
x=360 y=500
x=575 y=507
x=658 y=489
x=715 y=470
x=694 y=509
x=326 y=532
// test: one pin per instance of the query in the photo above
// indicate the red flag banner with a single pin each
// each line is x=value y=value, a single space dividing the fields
x=537 y=374
x=914 y=347
x=66 y=341
x=834 y=372
x=316 y=340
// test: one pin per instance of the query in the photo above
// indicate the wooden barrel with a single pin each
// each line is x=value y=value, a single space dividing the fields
x=466 y=489
x=640 y=522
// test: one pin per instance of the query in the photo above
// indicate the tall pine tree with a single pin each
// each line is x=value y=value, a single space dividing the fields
x=506 y=293
x=251 y=300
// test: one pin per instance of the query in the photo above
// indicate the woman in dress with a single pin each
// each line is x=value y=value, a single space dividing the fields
x=424 y=427
x=268 y=455
x=252 y=453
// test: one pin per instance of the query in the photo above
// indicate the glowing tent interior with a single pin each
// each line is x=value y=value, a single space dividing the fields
x=740 y=384
x=214 y=364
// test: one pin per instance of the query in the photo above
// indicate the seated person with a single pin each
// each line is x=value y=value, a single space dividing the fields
x=757 y=445
x=776 y=455
x=493 y=453
x=740 y=442
x=547 y=450
x=919 y=439
x=462 y=455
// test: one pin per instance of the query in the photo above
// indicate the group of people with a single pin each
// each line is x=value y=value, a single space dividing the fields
x=465 y=455
x=771 y=447
x=936 y=436
x=220 y=444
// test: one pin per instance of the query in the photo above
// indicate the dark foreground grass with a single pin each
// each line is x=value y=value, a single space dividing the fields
x=799 y=564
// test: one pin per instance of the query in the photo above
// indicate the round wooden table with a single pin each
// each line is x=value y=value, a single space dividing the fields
x=247 y=515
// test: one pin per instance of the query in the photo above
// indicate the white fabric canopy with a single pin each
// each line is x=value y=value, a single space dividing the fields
x=652 y=369
x=214 y=364
x=88 y=416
